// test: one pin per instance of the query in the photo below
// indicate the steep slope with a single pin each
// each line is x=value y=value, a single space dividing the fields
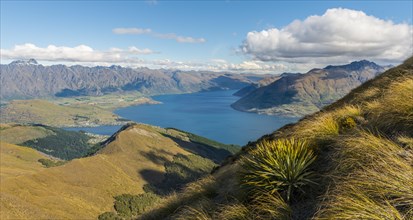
x=352 y=160
x=23 y=80
x=135 y=156
x=301 y=94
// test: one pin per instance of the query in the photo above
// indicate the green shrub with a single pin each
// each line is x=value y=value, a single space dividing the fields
x=131 y=205
x=109 y=216
x=278 y=166
x=63 y=144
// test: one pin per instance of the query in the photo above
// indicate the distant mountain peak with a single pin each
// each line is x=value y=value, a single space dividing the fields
x=25 y=62
x=355 y=65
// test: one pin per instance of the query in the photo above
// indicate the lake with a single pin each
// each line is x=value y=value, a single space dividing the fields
x=207 y=114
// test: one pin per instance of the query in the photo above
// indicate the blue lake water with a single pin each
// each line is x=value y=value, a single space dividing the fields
x=207 y=114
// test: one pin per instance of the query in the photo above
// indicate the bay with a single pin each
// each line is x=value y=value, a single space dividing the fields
x=207 y=114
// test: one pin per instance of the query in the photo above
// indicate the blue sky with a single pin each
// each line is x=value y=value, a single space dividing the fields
x=203 y=34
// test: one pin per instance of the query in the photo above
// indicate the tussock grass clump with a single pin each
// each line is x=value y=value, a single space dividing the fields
x=317 y=130
x=394 y=109
x=362 y=150
x=236 y=211
x=270 y=206
x=200 y=210
x=355 y=204
x=374 y=176
x=263 y=205
x=278 y=166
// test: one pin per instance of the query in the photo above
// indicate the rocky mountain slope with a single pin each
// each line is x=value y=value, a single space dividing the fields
x=28 y=79
x=301 y=94
x=135 y=159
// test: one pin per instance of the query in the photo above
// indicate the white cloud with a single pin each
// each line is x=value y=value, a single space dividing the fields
x=86 y=55
x=248 y=66
x=339 y=35
x=173 y=36
x=151 y=2
x=136 y=31
x=180 y=39
x=81 y=53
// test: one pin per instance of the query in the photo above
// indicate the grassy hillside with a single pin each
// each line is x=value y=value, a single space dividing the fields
x=55 y=142
x=17 y=134
x=352 y=160
x=18 y=161
x=44 y=112
x=138 y=161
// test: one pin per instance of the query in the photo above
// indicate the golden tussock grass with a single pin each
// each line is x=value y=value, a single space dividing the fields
x=394 y=109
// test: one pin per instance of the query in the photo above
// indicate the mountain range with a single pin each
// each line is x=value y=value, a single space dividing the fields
x=301 y=94
x=28 y=79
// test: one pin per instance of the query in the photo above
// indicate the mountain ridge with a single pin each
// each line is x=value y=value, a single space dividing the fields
x=301 y=94
x=27 y=79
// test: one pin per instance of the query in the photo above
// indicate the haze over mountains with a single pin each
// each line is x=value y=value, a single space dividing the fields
x=300 y=94
x=28 y=79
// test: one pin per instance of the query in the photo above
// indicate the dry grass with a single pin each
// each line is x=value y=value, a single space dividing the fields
x=17 y=134
x=393 y=111
x=48 y=113
x=84 y=188
x=355 y=204
x=373 y=177
x=18 y=161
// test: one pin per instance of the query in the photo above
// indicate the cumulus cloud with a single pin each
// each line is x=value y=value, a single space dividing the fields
x=81 y=53
x=136 y=31
x=339 y=35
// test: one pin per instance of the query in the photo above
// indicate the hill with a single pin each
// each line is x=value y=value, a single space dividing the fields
x=139 y=160
x=301 y=94
x=56 y=142
x=261 y=83
x=351 y=160
x=28 y=80
x=37 y=111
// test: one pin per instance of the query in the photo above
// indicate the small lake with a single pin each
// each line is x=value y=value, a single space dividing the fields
x=208 y=114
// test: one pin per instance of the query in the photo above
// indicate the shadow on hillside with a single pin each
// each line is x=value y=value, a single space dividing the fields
x=177 y=175
x=157 y=157
x=152 y=176
x=215 y=154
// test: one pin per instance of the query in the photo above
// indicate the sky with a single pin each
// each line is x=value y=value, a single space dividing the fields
x=238 y=36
